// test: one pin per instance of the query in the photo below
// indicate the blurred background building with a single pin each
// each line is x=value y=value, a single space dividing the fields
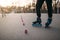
x=26 y=6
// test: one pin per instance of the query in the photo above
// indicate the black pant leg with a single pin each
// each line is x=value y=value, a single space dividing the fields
x=49 y=6
x=38 y=7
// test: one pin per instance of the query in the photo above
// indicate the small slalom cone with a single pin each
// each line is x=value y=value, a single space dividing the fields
x=26 y=31
x=23 y=24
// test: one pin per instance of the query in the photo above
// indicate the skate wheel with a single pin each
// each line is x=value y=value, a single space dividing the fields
x=37 y=25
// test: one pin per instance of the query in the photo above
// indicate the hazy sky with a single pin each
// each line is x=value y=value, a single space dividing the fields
x=15 y=2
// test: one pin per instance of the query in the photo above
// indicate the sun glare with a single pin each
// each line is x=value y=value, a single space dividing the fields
x=17 y=2
x=24 y=2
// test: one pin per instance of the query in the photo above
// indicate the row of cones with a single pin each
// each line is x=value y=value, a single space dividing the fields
x=24 y=25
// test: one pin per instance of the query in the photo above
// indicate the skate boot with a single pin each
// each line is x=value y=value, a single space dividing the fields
x=37 y=22
x=48 y=22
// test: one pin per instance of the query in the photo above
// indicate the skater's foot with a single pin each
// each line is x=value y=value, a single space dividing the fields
x=48 y=23
x=37 y=21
